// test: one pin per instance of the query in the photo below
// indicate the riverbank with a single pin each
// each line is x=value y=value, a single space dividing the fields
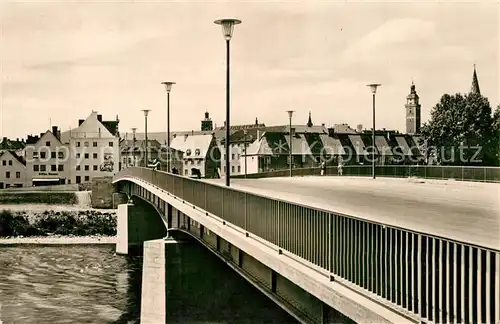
x=58 y=240
x=57 y=225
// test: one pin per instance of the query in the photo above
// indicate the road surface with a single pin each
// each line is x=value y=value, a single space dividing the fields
x=463 y=211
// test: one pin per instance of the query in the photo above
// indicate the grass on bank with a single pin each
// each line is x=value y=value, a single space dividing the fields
x=47 y=197
x=81 y=223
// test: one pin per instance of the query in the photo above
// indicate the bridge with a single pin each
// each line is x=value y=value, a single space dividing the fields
x=331 y=249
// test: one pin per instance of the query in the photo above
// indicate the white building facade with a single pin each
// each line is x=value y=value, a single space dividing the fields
x=47 y=161
x=95 y=151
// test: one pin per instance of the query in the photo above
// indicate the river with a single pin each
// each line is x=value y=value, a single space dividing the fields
x=90 y=284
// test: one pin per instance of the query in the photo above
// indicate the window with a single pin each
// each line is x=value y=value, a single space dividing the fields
x=7 y=174
x=10 y=162
x=43 y=168
x=18 y=175
x=77 y=144
x=53 y=167
x=185 y=172
x=86 y=144
x=43 y=155
x=77 y=155
x=94 y=155
x=47 y=143
x=35 y=167
x=87 y=178
x=78 y=168
x=78 y=179
x=86 y=155
x=86 y=168
x=110 y=144
x=197 y=152
x=35 y=154
x=61 y=155
x=239 y=168
x=60 y=167
x=53 y=155
x=188 y=152
x=94 y=144
x=4 y=162
x=95 y=167
x=232 y=156
x=232 y=168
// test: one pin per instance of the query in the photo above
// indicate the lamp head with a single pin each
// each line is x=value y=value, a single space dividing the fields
x=146 y=111
x=290 y=113
x=168 y=86
x=373 y=87
x=227 y=26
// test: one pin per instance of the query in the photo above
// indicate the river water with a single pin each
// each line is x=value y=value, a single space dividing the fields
x=90 y=284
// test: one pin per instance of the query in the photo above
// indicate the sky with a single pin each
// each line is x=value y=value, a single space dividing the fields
x=60 y=60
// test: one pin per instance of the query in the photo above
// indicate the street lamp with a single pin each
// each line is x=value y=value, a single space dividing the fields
x=133 y=144
x=290 y=113
x=168 y=87
x=373 y=88
x=146 y=111
x=227 y=31
x=245 y=147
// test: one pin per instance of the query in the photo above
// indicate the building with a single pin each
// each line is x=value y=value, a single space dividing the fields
x=95 y=149
x=47 y=159
x=207 y=124
x=412 y=112
x=18 y=146
x=132 y=152
x=12 y=170
x=200 y=154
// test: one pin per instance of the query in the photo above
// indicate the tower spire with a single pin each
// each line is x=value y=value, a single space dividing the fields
x=309 y=121
x=475 y=83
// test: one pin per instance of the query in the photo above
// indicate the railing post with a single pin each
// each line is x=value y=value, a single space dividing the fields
x=330 y=245
x=246 y=208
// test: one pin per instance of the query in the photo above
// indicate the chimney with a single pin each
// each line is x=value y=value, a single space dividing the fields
x=192 y=132
x=99 y=118
x=54 y=130
x=359 y=128
x=80 y=121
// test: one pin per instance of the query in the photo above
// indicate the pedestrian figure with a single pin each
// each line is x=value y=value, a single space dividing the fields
x=339 y=168
x=323 y=168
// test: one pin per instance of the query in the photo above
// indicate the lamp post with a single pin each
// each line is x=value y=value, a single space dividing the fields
x=133 y=144
x=245 y=147
x=290 y=113
x=227 y=31
x=373 y=88
x=168 y=88
x=146 y=111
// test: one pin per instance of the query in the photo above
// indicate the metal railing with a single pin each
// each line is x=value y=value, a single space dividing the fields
x=465 y=173
x=439 y=279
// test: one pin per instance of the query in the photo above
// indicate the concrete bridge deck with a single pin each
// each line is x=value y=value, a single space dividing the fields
x=464 y=211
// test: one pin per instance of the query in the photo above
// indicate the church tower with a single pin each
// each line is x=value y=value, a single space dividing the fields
x=475 y=84
x=412 y=112
x=206 y=124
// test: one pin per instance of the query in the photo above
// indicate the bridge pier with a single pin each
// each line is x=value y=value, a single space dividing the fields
x=137 y=222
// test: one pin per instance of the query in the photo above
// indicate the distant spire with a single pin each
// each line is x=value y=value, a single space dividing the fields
x=256 y=121
x=309 y=122
x=475 y=83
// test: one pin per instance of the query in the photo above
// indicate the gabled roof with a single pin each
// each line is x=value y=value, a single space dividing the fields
x=296 y=129
x=191 y=144
x=35 y=140
x=14 y=156
x=7 y=144
x=129 y=146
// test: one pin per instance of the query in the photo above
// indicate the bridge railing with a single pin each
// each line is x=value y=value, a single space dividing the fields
x=439 y=279
x=466 y=173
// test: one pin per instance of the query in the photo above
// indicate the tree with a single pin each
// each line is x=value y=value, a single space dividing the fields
x=495 y=139
x=459 y=131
